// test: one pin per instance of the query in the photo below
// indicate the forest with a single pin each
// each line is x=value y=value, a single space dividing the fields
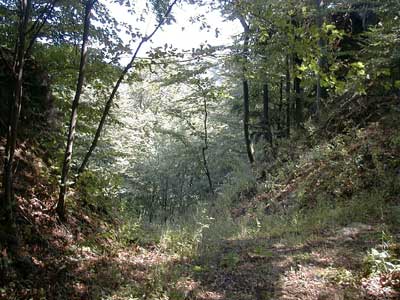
x=262 y=163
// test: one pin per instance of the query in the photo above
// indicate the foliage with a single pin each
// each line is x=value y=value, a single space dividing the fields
x=184 y=240
x=383 y=260
x=101 y=192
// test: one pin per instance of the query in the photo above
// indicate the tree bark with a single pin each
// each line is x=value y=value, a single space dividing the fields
x=398 y=90
x=288 y=97
x=9 y=204
x=74 y=111
x=246 y=121
x=205 y=148
x=116 y=88
x=318 y=79
x=279 y=125
x=165 y=200
x=265 y=104
x=246 y=96
x=266 y=121
x=298 y=96
x=296 y=63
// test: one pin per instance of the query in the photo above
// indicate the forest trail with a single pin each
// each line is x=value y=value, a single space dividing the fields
x=325 y=267
x=322 y=268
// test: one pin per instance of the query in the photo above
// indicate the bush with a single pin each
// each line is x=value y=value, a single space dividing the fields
x=99 y=191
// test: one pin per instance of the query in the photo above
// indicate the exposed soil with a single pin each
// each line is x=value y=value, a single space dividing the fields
x=328 y=267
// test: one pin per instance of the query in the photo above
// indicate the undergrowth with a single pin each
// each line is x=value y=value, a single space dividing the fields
x=348 y=179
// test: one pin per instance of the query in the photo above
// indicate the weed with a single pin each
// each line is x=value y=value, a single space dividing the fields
x=384 y=260
x=230 y=260
x=341 y=276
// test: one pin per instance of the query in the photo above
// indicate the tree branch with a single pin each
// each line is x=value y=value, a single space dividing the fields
x=39 y=25
x=117 y=85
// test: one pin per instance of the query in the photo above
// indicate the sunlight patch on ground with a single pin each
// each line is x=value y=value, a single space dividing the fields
x=306 y=283
x=210 y=296
x=146 y=258
x=375 y=286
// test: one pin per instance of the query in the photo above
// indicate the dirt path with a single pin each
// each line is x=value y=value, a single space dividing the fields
x=327 y=268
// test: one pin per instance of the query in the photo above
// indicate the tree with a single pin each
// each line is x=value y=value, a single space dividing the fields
x=24 y=41
x=74 y=111
x=246 y=95
x=163 y=18
x=266 y=118
x=15 y=109
x=318 y=4
x=288 y=97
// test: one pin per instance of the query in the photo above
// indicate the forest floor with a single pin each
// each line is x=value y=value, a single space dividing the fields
x=325 y=267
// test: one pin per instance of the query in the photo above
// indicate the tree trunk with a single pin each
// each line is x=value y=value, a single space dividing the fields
x=266 y=104
x=398 y=90
x=74 y=111
x=246 y=97
x=8 y=205
x=288 y=97
x=266 y=121
x=205 y=148
x=39 y=24
x=165 y=200
x=116 y=88
x=318 y=99
x=320 y=45
x=279 y=125
x=246 y=121
x=298 y=95
x=296 y=63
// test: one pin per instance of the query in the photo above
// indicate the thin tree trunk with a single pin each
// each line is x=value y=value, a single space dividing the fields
x=246 y=97
x=182 y=185
x=296 y=63
x=320 y=45
x=266 y=105
x=8 y=204
x=151 y=210
x=398 y=90
x=288 y=97
x=393 y=79
x=165 y=200
x=116 y=87
x=318 y=99
x=280 y=106
x=246 y=121
x=74 y=111
x=298 y=96
x=205 y=148
x=39 y=24
x=267 y=123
